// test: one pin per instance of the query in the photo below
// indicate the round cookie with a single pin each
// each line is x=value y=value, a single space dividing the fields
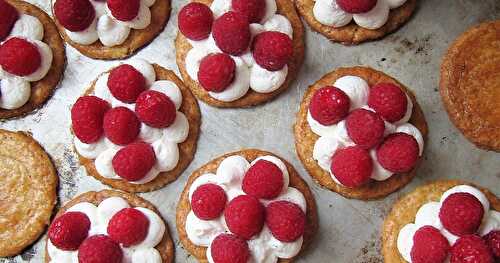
x=137 y=39
x=43 y=89
x=403 y=212
x=352 y=34
x=470 y=85
x=187 y=148
x=165 y=247
x=27 y=190
x=183 y=207
x=285 y=8
x=305 y=138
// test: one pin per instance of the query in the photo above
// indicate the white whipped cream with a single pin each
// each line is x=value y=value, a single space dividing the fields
x=248 y=75
x=333 y=137
x=229 y=176
x=99 y=218
x=329 y=13
x=163 y=140
x=109 y=30
x=428 y=214
x=16 y=90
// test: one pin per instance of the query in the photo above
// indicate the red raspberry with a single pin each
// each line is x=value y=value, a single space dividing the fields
x=286 y=220
x=74 y=15
x=356 y=6
x=461 y=214
x=231 y=33
x=398 y=153
x=126 y=83
x=195 y=21
x=128 y=227
x=121 y=126
x=124 y=10
x=216 y=72
x=493 y=241
x=329 y=105
x=352 y=166
x=208 y=201
x=69 y=230
x=253 y=10
x=134 y=161
x=87 y=116
x=19 y=57
x=227 y=248
x=155 y=109
x=8 y=17
x=244 y=216
x=389 y=101
x=263 y=180
x=365 y=128
x=99 y=249
x=272 y=50
x=471 y=249
x=429 y=246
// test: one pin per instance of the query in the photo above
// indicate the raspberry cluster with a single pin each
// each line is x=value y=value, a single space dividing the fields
x=353 y=165
x=92 y=118
x=231 y=31
x=246 y=215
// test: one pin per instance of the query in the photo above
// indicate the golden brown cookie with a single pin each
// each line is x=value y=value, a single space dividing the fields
x=285 y=8
x=353 y=34
x=470 y=84
x=165 y=247
x=186 y=149
x=28 y=185
x=305 y=138
x=183 y=207
x=403 y=212
x=43 y=89
x=137 y=39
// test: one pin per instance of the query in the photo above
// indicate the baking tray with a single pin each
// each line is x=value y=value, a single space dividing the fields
x=349 y=229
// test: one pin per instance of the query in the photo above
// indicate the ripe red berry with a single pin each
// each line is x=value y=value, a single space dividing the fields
x=471 y=249
x=352 y=166
x=195 y=21
x=286 y=220
x=263 y=180
x=69 y=230
x=253 y=10
x=155 y=109
x=493 y=241
x=356 y=6
x=216 y=72
x=365 y=128
x=8 y=17
x=227 y=248
x=126 y=83
x=124 y=10
x=244 y=216
x=208 y=201
x=429 y=246
x=134 y=161
x=121 y=126
x=19 y=57
x=87 y=116
x=272 y=50
x=398 y=153
x=74 y=15
x=389 y=101
x=128 y=227
x=231 y=33
x=461 y=214
x=329 y=105
x=99 y=249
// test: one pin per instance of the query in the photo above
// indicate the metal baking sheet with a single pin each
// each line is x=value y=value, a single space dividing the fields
x=412 y=55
